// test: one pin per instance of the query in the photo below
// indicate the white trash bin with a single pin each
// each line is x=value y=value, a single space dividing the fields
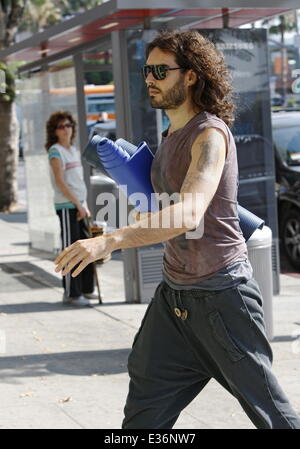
x=260 y=256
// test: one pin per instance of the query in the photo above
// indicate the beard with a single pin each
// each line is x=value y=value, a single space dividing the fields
x=172 y=98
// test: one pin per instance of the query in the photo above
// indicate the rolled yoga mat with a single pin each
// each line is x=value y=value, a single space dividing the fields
x=130 y=167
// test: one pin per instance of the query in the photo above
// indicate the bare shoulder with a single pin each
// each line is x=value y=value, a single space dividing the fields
x=208 y=149
x=206 y=167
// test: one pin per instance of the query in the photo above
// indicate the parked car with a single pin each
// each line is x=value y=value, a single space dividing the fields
x=277 y=100
x=286 y=140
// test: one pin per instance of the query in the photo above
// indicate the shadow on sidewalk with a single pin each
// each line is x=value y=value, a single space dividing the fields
x=81 y=363
x=285 y=265
x=30 y=275
x=40 y=306
x=45 y=306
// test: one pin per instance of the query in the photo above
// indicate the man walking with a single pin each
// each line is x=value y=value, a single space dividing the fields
x=206 y=319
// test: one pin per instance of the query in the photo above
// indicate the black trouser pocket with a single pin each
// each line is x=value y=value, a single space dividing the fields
x=142 y=323
x=222 y=336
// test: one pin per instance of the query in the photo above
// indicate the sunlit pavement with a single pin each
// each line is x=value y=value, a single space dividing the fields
x=66 y=367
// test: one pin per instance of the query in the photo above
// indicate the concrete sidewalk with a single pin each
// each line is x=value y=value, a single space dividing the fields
x=64 y=367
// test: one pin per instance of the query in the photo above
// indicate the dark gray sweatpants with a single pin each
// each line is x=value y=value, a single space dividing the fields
x=188 y=337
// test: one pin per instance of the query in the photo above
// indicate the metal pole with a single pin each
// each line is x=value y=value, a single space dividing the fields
x=124 y=129
x=121 y=81
x=81 y=115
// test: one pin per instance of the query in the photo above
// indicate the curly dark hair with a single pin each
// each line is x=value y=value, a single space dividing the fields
x=51 y=126
x=213 y=91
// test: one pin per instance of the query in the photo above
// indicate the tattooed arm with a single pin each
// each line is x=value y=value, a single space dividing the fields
x=203 y=176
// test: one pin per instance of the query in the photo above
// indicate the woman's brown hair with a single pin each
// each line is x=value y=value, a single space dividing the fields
x=51 y=126
x=213 y=91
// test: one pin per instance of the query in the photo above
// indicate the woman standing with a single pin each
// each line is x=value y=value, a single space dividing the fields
x=70 y=195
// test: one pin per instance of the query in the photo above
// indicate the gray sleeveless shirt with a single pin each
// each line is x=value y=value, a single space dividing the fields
x=196 y=261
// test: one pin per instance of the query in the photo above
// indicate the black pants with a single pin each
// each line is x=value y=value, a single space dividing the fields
x=71 y=231
x=188 y=337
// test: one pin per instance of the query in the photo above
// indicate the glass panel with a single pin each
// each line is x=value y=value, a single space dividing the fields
x=146 y=121
x=41 y=94
x=61 y=85
x=246 y=54
x=287 y=141
x=99 y=85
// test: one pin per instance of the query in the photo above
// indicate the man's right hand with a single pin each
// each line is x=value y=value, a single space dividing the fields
x=81 y=212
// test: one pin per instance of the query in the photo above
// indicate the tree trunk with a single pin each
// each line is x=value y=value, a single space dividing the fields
x=11 y=13
x=9 y=139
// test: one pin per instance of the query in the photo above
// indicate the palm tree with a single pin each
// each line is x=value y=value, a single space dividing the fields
x=10 y=15
x=40 y=14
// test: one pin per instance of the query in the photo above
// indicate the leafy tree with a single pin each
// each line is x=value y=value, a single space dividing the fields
x=40 y=14
x=11 y=12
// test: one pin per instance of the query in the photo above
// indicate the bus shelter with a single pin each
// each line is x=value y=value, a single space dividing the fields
x=109 y=42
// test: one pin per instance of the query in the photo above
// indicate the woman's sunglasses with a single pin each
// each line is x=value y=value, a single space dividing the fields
x=158 y=71
x=66 y=125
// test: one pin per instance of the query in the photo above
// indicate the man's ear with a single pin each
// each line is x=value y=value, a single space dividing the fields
x=192 y=77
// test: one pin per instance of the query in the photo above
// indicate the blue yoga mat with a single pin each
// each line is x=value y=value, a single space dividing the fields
x=130 y=167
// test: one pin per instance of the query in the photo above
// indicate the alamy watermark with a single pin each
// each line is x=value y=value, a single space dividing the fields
x=179 y=216
x=2 y=82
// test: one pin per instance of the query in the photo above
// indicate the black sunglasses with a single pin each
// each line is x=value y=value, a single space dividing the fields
x=66 y=125
x=158 y=71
